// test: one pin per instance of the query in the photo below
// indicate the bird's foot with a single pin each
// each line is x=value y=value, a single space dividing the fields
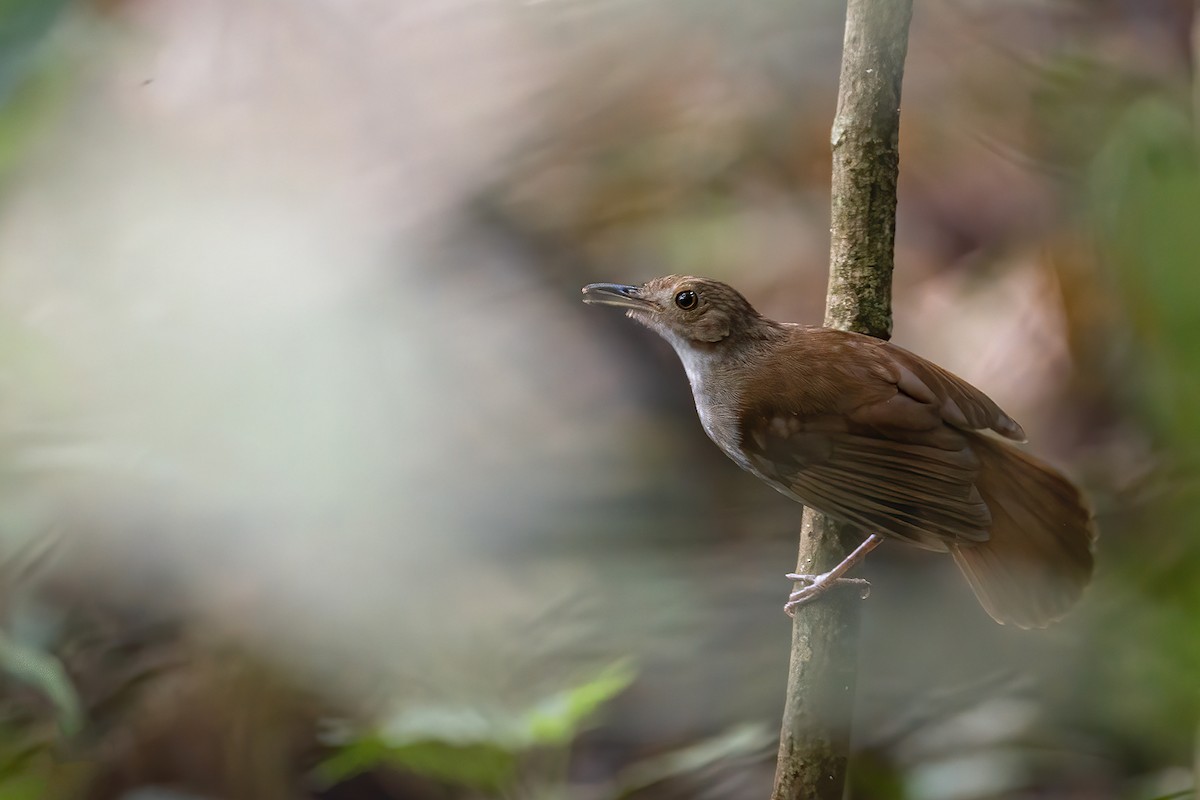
x=818 y=585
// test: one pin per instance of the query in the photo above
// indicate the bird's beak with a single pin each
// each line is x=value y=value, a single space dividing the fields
x=616 y=294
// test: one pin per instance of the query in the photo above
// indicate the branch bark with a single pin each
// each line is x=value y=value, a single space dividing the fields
x=815 y=740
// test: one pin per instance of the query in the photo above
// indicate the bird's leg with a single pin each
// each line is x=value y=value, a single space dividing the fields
x=820 y=584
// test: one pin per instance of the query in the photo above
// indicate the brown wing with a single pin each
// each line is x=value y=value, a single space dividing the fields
x=923 y=493
x=959 y=403
x=875 y=438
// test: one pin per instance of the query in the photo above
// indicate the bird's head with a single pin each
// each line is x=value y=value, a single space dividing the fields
x=686 y=311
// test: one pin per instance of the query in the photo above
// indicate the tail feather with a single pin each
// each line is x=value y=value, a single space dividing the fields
x=1038 y=559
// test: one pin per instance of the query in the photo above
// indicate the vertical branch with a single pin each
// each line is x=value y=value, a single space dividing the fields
x=866 y=162
x=814 y=742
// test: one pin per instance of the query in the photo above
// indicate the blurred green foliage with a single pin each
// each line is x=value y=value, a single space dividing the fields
x=29 y=82
x=44 y=672
x=1178 y=795
x=30 y=86
x=28 y=766
x=478 y=766
x=1145 y=207
x=472 y=747
x=23 y=26
x=23 y=787
x=1136 y=688
x=526 y=753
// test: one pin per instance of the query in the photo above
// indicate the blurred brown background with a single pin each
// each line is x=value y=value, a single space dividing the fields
x=322 y=483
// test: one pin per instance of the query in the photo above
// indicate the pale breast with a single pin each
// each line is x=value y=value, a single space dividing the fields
x=720 y=423
x=718 y=398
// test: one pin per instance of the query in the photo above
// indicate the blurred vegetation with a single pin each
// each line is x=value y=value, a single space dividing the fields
x=1144 y=198
x=471 y=746
x=30 y=84
x=29 y=79
x=577 y=596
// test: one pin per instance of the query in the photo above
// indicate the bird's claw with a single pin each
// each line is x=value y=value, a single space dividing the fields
x=816 y=586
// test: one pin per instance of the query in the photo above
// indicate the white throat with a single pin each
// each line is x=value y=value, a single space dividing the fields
x=698 y=363
x=717 y=407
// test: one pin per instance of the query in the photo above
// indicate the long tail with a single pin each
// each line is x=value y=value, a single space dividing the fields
x=1038 y=560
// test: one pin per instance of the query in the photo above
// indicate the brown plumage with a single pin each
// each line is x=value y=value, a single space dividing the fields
x=869 y=433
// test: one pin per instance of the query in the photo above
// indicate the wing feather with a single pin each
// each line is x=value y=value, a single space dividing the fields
x=923 y=494
x=961 y=404
x=870 y=433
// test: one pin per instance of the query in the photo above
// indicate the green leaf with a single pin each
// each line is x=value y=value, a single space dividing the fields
x=470 y=746
x=44 y=672
x=479 y=766
x=24 y=787
x=558 y=718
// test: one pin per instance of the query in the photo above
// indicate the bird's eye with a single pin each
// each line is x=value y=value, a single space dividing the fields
x=687 y=300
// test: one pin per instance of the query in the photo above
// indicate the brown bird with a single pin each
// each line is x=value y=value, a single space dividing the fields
x=871 y=434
